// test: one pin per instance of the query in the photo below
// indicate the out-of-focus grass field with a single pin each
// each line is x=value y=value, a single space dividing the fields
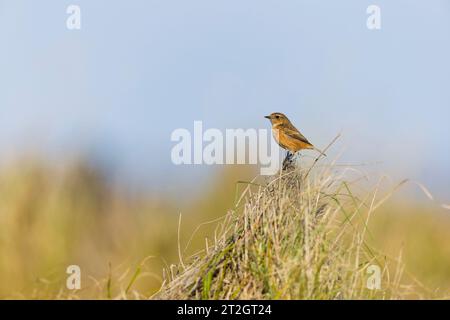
x=421 y=234
x=52 y=218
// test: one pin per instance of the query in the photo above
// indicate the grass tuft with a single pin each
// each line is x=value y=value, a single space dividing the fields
x=299 y=235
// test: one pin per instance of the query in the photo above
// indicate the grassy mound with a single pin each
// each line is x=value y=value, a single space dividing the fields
x=298 y=235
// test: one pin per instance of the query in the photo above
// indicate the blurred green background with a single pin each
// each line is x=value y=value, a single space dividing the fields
x=51 y=219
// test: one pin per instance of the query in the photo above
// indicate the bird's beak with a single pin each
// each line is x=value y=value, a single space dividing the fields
x=267 y=117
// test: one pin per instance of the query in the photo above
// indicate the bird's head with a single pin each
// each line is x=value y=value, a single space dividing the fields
x=277 y=119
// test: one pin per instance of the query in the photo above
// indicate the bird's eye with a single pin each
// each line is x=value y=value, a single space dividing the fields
x=278 y=117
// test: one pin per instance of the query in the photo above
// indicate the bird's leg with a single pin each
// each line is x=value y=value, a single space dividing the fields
x=287 y=162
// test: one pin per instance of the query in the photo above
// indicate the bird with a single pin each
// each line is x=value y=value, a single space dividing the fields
x=288 y=137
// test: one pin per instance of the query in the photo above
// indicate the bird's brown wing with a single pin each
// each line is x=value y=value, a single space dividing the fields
x=295 y=134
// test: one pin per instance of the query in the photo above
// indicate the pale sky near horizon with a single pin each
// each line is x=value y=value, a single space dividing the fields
x=109 y=87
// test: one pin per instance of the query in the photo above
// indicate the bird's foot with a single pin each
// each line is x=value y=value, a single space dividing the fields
x=289 y=161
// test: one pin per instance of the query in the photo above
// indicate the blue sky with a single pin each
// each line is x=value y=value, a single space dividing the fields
x=110 y=87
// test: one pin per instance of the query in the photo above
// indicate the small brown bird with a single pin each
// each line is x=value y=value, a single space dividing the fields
x=287 y=136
